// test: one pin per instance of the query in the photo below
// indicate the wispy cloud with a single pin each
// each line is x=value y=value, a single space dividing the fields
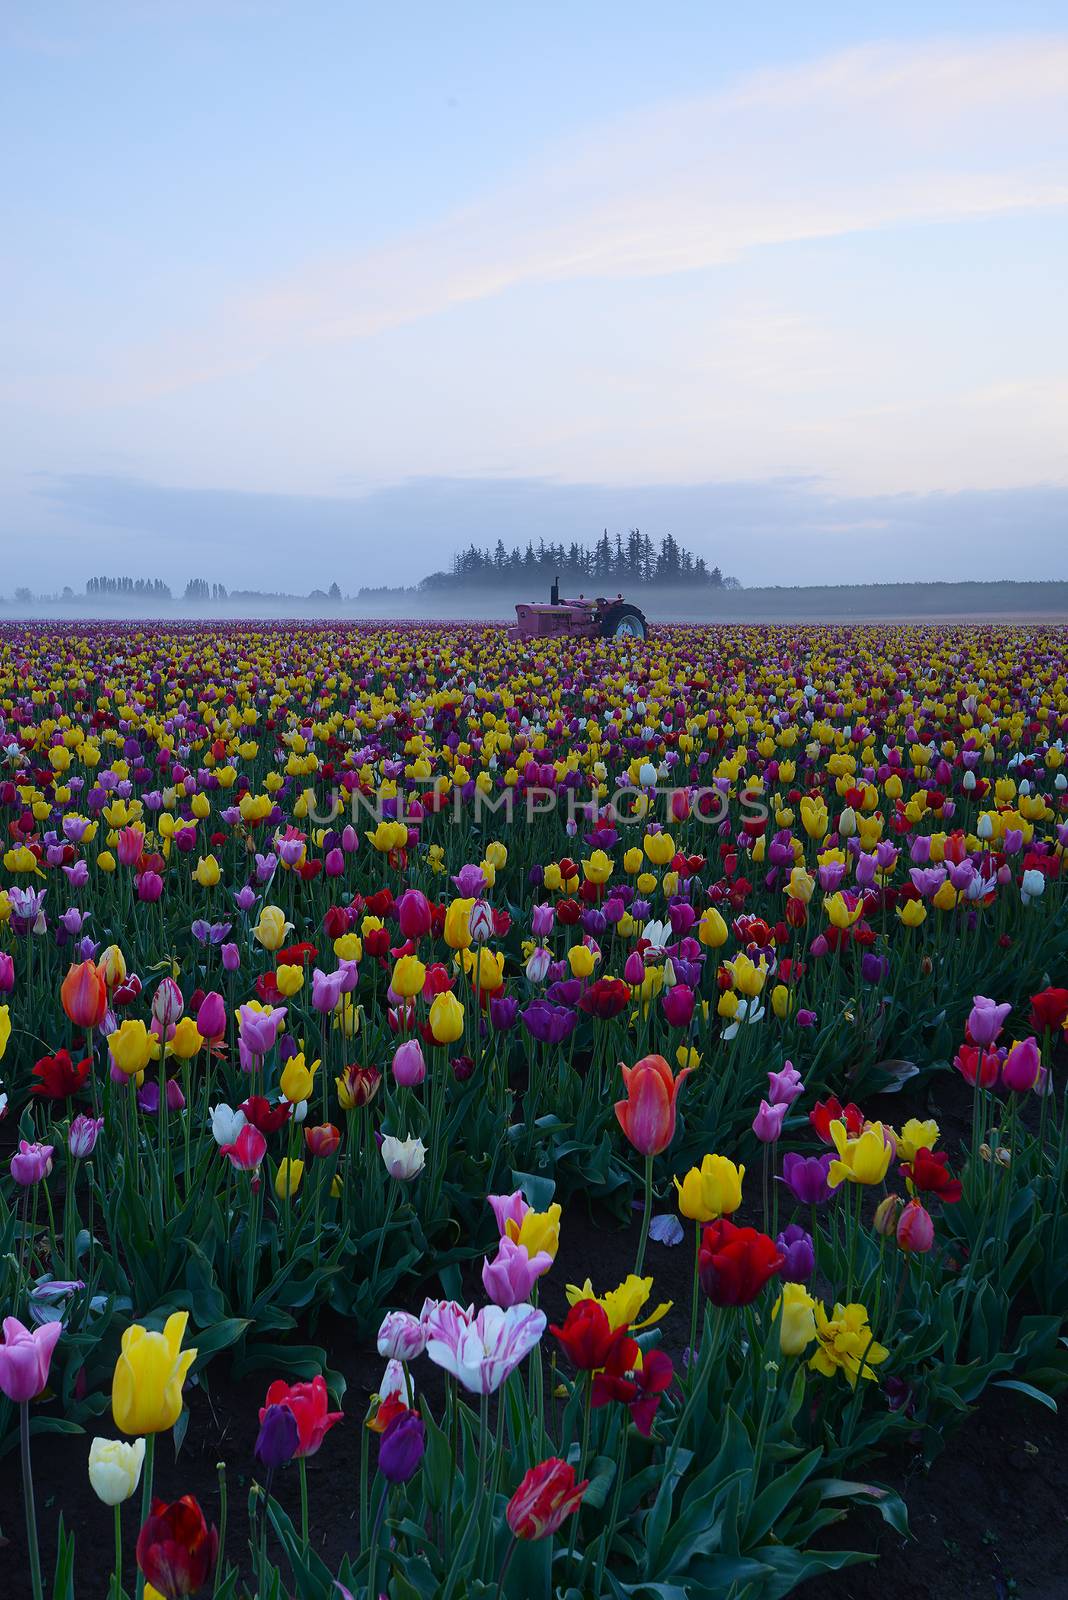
x=868 y=139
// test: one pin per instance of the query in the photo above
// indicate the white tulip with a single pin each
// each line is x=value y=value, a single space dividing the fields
x=115 y=1469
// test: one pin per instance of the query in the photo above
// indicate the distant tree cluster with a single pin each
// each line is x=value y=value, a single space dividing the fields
x=153 y=588
x=201 y=589
x=611 y=563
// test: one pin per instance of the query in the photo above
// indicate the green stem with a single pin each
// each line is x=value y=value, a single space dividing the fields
x=27 y=1495
x=146 y=1497
x=118 y=1552
x=646 y=1217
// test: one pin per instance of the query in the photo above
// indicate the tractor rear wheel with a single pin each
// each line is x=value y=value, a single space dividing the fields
x=623 y=622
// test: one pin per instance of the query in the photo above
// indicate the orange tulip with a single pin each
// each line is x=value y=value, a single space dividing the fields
x=647 y=1115
x=84 y=997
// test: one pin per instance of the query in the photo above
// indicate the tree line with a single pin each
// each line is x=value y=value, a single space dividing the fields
x=634 y=560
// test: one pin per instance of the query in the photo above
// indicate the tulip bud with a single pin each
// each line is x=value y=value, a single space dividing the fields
x=409 y=1068
x=915 y=1230
x=886 y=1215
x=115 y=1469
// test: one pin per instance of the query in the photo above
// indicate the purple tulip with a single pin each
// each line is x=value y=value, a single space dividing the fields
x=806 y=1177
x=326 y=990
x=231 y=957
x=409 y=1068
x=503 y=1012
x=541 y=921
x=547 y=1023
x=795 y=1245
x=873 y=968
x=400 y=1450
x=278 y=1438
x=470 y=882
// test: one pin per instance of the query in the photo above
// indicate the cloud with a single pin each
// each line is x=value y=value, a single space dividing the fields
x=789 y=531
x=868 y=139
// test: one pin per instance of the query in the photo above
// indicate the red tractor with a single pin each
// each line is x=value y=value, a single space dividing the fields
x=579 y=619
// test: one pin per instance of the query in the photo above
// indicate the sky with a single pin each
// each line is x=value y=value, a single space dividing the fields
x=312 y=292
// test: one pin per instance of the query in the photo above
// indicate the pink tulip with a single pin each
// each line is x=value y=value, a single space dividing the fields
x=508 y=1208
x=31 y=1163
x=767 y=1124
x=1021 y=1067
x=211 y=1017
x=509 y=1278
x=25 y=1358
x=247 y=1150
x=915 y=1230
x=986 y=1019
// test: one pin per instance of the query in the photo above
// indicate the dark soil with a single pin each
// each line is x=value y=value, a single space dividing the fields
x=989 y=1518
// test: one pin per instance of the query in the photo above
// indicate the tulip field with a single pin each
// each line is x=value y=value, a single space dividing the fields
x=487 y=1095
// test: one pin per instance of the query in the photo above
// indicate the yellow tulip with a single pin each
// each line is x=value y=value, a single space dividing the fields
x=289 y=978
x=409 y=976
x=624 y=1304
x=270 y=931
x=539 y=1230
x=146 y=1391
x=581 y=959
x=712 y=930
x=797 y=1328
x=185 y=1040
x=287 y=1179
x=861 y=1160
x=714 y=1189
x=457 y=931
x=207 y=872
x=298 y=1079
x=132 y=1047
x=446 y=1018
x=599 y=868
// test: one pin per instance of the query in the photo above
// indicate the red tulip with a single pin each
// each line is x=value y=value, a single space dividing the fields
x=927 y=1173
x=589 y=1338
x=824 y=1112
x=322 y=1140
x=1049 y=1010
x=606 y=998
x=176 y=1549
x=262 y=1115
x=308 y=1403
x=735 y=1263
x=647 y=1115
x=546 y=1497
x=58 y=1076
x=639 y=1387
